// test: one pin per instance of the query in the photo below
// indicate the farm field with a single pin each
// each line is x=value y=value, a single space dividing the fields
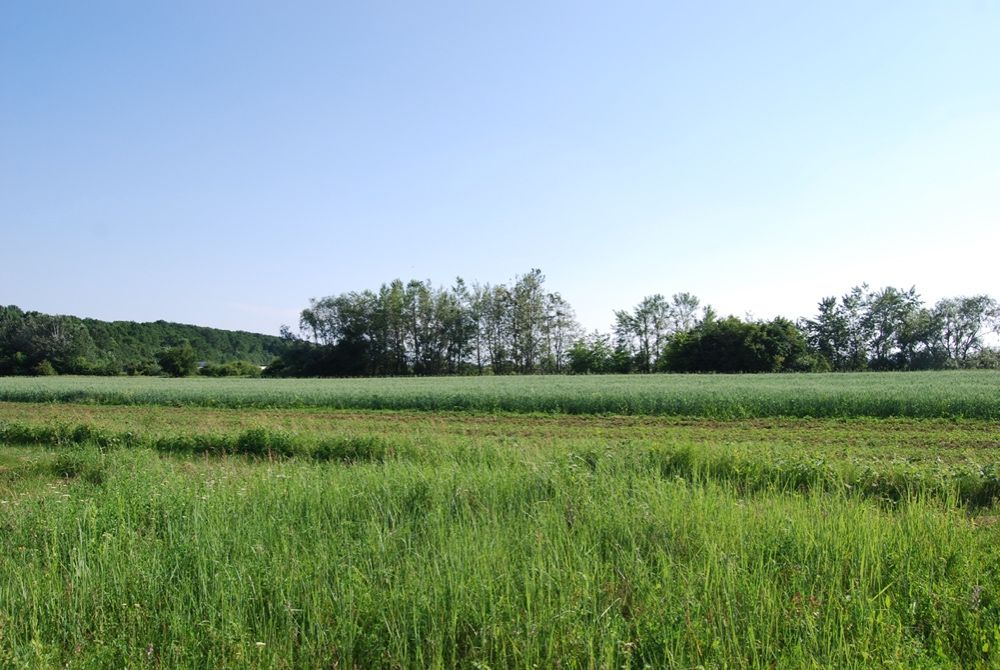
x=200 y=524
x=970 y=394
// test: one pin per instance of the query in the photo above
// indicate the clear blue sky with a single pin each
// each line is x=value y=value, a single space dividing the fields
x=222 y=163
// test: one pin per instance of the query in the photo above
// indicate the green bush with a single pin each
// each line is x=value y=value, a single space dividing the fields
x=231 y=369
x=144 y=368
x=179 y=361
x=45 y=369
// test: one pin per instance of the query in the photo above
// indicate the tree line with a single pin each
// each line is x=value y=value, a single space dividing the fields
x=34 y=343
x=415 y=328
x=892 y=329
x=518 y=327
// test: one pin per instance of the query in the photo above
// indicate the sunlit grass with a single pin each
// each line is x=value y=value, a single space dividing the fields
x=576 y=560
x=182 y=529
x=971 y=394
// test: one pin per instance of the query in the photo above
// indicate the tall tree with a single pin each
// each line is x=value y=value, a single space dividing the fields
x=624 y=330
x=478 y=307
x=886 y=314
x=497 y=327
x=392 y=299
x=460 y=320
x=961 y=324
x=683 y=312
x=841 y=331
x=559 y=330
x=645 y=331
x=527 y=320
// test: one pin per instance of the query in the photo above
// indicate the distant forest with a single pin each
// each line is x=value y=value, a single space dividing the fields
x=35 y=343
x=415 y=328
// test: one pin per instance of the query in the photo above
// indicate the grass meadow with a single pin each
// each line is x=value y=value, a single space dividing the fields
x=199 y=524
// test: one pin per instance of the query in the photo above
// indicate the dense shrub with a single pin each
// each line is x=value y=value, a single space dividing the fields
x=732 y=345
x=231 y=369
x=179 y=361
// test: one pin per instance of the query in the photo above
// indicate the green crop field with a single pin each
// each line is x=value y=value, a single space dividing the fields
x=972 y=394
x=844 y=521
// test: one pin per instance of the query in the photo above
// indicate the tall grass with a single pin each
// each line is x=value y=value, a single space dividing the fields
x=969 y=394
x=572 y=561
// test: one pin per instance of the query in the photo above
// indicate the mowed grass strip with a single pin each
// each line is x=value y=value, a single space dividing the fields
x=956 y=394
x=131 y=559
x=946 y=439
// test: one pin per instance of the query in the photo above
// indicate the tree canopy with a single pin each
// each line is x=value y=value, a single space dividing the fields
x=71 y=345
x=521 y=327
